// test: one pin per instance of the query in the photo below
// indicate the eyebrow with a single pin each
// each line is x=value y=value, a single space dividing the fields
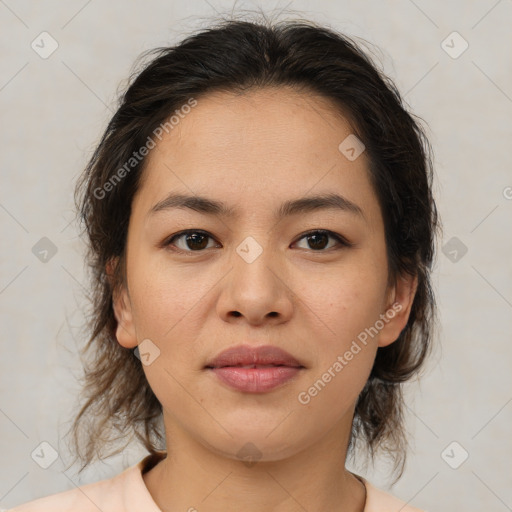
x=291 y=207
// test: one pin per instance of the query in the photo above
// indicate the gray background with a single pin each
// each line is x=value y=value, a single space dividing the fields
x=53 y=112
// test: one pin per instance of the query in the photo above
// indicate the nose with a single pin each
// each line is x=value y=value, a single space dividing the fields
x=256 y=290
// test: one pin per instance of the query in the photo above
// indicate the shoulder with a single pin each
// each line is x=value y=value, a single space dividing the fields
x=86 y=498
x=378 y=500
x=106 y=495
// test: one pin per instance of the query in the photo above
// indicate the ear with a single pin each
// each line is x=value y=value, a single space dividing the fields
x=125 y=331
x=398 y=308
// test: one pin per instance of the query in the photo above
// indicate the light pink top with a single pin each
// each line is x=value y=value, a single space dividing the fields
x=127 y=492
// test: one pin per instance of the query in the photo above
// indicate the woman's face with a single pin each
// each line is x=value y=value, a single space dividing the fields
x=253 y=276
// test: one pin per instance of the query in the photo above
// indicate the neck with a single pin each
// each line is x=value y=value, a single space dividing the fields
x=193 y=477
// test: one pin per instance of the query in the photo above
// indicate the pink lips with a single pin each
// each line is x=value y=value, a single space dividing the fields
x=254 y=369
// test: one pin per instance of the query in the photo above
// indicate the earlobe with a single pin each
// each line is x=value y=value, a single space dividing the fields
x=121 y=304
x=398 y=309
x=125 y=331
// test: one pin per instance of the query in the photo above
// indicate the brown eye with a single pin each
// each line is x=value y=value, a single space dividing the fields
x=318 y=240
x=197 y=241
x=193 y=241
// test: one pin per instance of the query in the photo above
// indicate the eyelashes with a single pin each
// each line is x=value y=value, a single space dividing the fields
x=199 y=238
x=189 y=232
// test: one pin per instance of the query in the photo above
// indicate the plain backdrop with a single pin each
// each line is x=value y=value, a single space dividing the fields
x=54 y=109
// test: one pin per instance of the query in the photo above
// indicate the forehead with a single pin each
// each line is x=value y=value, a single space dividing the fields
x=262 y=146
x=277 y=121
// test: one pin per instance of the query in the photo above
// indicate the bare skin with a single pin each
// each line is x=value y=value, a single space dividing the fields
x=253 y=152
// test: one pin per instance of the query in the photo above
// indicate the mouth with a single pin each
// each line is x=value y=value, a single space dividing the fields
x=254 y=369
x=255 y=365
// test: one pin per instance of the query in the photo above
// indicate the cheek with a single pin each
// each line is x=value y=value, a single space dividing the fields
x=345 y=303
x=346 y=344
x=166 y=299
x=168 y=309
x=333 y=392
x=346 y=350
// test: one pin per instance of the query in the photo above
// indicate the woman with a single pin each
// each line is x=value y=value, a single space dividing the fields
x=261 y=230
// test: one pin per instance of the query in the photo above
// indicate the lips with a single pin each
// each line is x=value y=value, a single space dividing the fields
x=254 y=369
x=254 y=357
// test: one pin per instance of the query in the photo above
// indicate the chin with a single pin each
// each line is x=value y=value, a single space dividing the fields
x=266 y=442
x=250 y=451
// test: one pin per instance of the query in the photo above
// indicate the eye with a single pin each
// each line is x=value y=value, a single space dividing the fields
x=197 y=240
x=317 y=239
x=194 y=240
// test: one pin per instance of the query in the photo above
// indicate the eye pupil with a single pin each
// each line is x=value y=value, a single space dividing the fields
x=315 y=237
x=193 y=237
x=197 y=241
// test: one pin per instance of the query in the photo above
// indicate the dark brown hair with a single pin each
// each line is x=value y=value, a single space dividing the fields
x=235 y=56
